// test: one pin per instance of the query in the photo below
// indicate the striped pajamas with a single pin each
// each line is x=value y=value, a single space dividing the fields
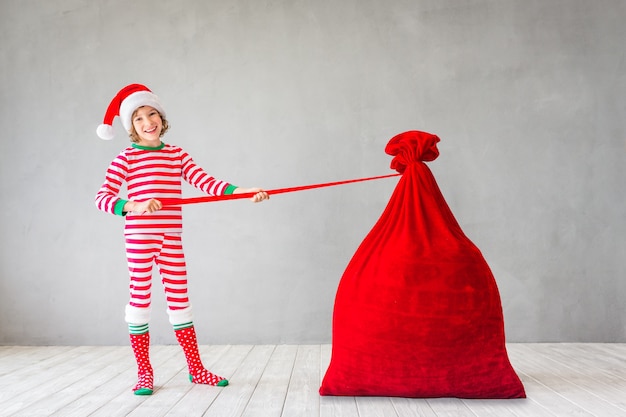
x=166 y=251
x=155 y=238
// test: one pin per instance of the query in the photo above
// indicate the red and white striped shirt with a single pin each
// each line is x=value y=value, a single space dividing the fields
x=154 y=173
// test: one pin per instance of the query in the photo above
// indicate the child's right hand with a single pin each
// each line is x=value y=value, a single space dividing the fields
x=148 y=206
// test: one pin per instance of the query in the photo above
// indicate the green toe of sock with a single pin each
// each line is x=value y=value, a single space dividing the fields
x=143 y=391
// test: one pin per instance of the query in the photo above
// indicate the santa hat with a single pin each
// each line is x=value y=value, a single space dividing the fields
x=125 y=102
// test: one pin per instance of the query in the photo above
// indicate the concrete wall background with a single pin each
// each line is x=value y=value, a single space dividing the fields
x=527 y=96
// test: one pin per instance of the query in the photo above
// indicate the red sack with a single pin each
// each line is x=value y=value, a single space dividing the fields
x=417 y=312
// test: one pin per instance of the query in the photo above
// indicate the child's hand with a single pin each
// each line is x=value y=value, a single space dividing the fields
x=148 y=206
x=259 y=196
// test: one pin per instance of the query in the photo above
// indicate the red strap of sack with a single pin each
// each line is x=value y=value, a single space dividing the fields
x=169 y=202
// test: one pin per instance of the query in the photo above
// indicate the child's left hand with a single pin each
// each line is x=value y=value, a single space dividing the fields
x=258 y=197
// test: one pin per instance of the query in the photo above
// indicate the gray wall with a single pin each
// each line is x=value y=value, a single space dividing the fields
x=527 y=96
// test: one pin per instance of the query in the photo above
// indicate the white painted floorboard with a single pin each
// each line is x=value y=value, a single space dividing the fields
x=561 y=379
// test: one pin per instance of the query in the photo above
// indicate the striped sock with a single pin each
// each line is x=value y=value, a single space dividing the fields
x=186 y=336
x=138 y=328
x=140 y=343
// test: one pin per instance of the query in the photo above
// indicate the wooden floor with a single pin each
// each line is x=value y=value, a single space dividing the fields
x=282 y=380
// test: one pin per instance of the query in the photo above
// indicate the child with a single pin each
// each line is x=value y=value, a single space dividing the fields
x=152 y=171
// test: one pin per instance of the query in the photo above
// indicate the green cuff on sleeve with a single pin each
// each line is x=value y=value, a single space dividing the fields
x=230 y=189
x=119 y=207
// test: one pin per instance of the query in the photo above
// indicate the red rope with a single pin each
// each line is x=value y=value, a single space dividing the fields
x=169 y=202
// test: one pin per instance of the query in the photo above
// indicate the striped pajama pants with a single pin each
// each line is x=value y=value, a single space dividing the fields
x=166 y=251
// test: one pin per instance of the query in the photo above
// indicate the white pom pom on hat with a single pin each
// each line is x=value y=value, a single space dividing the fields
x=125 y=102
x=105 y=132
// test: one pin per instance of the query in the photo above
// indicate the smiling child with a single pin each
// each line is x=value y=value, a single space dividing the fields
x=153 y=170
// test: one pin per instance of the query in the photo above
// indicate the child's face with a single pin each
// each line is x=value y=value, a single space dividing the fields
x=148 y=125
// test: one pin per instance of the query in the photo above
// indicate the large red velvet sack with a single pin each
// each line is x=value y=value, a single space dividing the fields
x=417 y=312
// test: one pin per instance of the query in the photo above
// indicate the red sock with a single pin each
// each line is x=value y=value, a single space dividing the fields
x=197 y=373
x=145 y=379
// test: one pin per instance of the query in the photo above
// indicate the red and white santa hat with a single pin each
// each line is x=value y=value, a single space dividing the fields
x=125 y=102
